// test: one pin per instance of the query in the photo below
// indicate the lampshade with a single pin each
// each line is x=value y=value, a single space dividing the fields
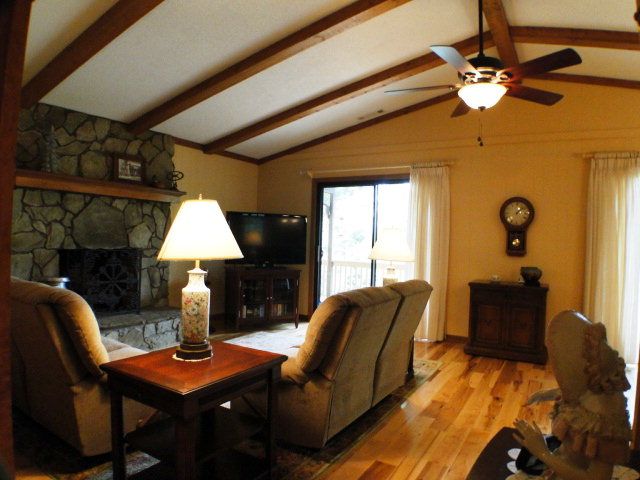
x=482 y=95
x=391 y=245
x=199 y=232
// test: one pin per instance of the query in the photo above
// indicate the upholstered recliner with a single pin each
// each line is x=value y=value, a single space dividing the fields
x=396 y=352
x=356 y=351
x=57 y=351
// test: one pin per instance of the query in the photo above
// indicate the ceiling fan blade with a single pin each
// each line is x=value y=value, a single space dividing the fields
x=421 y=89
x=453 y=58
x=532 y=94
x=461 y=109
x=546 y=63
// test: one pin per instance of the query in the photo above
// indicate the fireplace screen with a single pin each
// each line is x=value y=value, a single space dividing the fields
x=109 y=280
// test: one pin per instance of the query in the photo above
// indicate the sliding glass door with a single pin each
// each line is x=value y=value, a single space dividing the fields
x=349 y=218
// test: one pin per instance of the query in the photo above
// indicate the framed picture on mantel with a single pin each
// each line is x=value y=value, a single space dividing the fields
x=127 y=168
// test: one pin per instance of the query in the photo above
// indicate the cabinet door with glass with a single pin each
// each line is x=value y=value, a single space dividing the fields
x=284 y=296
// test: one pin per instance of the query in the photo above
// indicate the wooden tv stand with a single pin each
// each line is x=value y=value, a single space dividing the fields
x=261 y=295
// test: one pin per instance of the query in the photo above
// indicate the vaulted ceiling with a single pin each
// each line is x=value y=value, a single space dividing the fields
x=259 y=79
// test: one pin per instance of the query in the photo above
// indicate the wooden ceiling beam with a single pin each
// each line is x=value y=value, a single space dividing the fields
x=102 y=32
x=589 y=80
x=361 y=126
x=577 y=37
x=354 y=14
x=348 y=92
x=497 y=20
x=198 y=146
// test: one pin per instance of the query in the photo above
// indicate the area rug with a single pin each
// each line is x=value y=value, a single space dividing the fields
x=35 y=446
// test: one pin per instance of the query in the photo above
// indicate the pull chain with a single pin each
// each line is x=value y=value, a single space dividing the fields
x=479 y=139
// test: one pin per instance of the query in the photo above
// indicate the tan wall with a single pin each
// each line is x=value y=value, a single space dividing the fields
x=530 y=150
x=234 y=185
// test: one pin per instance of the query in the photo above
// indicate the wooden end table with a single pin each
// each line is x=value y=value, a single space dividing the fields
x=190 y=393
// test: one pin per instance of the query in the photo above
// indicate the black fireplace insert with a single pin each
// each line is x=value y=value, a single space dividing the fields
x=108 y=279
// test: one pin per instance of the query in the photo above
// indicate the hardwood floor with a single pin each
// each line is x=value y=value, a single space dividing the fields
x=445 y=423
x=441 y=429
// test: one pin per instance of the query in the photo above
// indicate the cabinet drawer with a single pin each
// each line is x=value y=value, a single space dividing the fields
x=522 y=331
x=488 y=323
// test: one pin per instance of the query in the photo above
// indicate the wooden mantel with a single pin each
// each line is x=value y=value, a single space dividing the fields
x=71 y=183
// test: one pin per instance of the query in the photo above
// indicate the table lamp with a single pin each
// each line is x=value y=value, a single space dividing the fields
x=391 y=246
x=199 y=232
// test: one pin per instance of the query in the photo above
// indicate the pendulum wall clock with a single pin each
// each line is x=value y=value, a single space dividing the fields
x=516 y=214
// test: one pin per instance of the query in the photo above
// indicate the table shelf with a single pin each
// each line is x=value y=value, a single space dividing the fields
x=218 y=429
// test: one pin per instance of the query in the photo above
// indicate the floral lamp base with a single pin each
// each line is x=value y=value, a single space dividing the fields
x=194 y=323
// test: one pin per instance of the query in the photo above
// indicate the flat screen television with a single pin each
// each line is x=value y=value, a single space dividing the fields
x=268 y=239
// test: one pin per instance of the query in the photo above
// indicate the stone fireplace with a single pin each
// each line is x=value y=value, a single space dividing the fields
x=51 y=225
x=62 y=141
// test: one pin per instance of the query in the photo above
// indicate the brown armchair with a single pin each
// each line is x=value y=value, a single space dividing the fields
x=57 y=351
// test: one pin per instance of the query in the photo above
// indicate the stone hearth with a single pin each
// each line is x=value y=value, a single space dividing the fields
x=150 y=329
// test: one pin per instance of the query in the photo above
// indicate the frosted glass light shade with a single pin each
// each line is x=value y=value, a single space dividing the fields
x=199 y=232
x=391 y=245
x=482 y=95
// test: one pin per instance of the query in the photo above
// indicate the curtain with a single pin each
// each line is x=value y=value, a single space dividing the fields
x=429 y=216
x=612 y=266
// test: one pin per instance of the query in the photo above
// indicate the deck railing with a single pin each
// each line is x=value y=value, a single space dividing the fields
x=341 y=275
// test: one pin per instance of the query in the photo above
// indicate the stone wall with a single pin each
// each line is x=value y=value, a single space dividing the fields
x=62 y=141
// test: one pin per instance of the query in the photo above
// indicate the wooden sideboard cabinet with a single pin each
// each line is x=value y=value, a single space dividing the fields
x=507 y=320
x=261 y=295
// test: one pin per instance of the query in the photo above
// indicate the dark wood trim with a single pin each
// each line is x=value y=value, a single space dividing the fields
x=14 y=24
x=589 y=80
x=188 y=143
x=576 y=37
x=313 y=253
x=455 y=339
x=497 y=20
x=361 y=126
x=102 y=32
x=635 y=434
x=238 y=156
x=316 y=206
x=348 y=92
x=71 y=183
x=198 y=146
x=350 y=16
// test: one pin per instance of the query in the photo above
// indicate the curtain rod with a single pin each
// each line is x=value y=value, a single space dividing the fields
x=611 y=154
x=313 y=173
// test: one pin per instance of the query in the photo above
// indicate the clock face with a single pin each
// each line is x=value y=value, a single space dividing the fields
x=516 y=213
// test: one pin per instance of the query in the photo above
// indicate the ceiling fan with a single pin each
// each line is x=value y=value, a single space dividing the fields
x=484 y=80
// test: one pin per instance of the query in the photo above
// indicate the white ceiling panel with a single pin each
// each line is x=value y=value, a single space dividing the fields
x=600 y=14
x=53 y=25
x=177 y=45
x=599 y=62
x=347 y=114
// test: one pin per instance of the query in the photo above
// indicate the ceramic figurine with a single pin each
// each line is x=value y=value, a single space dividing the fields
x=590 y=413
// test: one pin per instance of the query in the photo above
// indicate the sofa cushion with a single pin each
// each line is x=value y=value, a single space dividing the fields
x=322 y=328
x=117 y=350
x=74 y=313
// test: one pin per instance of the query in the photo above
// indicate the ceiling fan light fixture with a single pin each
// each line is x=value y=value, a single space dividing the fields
x=482 y=95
